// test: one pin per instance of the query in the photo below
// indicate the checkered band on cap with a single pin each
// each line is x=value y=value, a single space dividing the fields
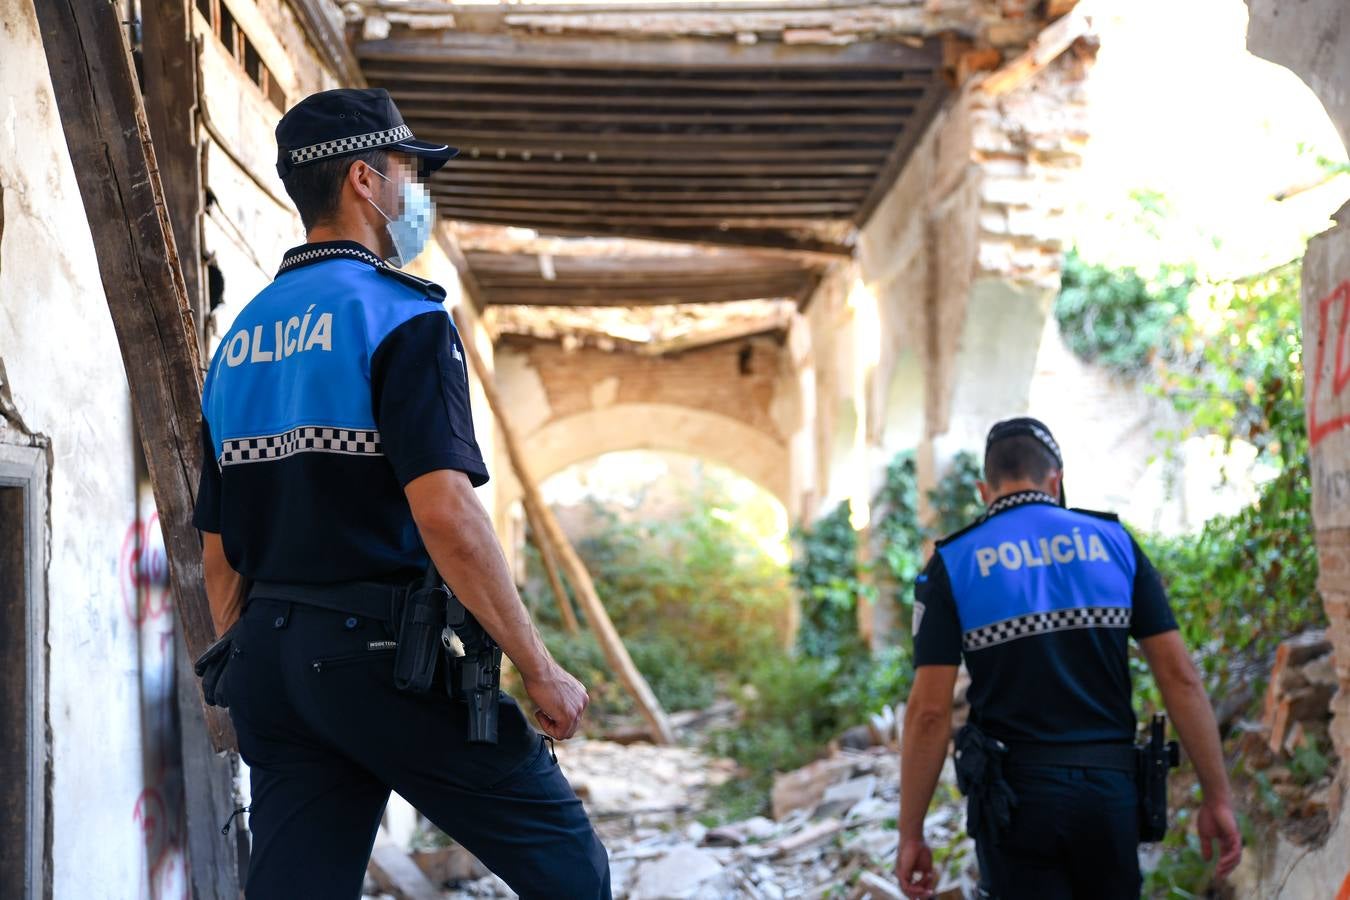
x=306 y=439
x=354 y=144
x=1045 y=622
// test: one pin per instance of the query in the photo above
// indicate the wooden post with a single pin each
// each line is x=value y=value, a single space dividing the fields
x=111 y=152
x=169 y=82
x=596 y=617
x=548 y=556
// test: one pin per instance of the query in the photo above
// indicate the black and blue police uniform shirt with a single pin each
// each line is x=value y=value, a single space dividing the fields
x=338 y=384
x=1041 y=601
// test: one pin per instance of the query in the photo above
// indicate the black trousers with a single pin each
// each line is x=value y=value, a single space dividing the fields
x=1074 y=836
x=327 y=737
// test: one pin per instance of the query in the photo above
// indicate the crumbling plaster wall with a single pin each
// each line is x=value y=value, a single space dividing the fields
x=66 y=381
x=733 y=403
x=1312 y=38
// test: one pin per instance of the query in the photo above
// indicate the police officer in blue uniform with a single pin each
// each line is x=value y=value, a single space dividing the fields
x=1040 y=602
x=340 y=458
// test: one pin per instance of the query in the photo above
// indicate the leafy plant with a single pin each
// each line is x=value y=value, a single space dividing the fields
x=1119 y=319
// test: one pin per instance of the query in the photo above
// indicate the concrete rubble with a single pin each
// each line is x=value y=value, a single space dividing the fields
x=833 y=832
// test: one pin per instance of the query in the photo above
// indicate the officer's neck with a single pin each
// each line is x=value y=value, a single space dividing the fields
x=1016 y=486
x=351 y=227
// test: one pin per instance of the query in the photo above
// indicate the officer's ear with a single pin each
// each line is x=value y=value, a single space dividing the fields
x=362 y=179
x=987 y=493
x=1056 y=483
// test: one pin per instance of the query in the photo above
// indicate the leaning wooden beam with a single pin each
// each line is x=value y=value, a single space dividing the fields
x=548 y=557
x=114 y=162
x=596 y=617
x=111 y=152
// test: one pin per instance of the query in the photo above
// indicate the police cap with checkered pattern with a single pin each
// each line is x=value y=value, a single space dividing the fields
x=350 y=120
x=1025 y=426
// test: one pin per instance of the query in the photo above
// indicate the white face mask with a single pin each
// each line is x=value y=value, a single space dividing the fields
x=412 y=229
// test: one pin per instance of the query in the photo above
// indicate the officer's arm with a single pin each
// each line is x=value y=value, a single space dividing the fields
x=927 y=729
x=224 y=586
x=458 y=534
x=1187 y=703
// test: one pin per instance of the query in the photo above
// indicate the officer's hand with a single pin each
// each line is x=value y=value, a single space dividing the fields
x=1217 y=823
x=914 y=868
x=559 y=701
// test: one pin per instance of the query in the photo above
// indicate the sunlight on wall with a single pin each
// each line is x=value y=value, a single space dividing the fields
x=866 y=354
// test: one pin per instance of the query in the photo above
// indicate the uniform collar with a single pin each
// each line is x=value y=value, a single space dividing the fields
x=307 y=254
x=1020 y=498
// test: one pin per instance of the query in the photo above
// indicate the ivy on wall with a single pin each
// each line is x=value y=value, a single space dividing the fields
x=826 y=569
x=1117 y=318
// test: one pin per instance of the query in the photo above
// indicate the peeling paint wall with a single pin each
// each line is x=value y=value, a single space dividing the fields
x=113 y=813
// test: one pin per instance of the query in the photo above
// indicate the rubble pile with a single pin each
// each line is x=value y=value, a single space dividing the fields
x=832 y=831
x=1289 y=749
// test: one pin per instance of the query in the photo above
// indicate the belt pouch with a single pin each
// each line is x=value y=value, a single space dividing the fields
x=419 y=628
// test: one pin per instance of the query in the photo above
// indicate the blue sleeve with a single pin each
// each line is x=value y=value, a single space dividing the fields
x=206 y=515
x=1151 y=613
x=937 y=627
x=420 y=396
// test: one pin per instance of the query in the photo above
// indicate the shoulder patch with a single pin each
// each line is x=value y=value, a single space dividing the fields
x=1097 y=514
x=429 y=289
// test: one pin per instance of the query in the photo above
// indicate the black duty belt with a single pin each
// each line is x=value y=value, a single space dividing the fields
x=1122 y=757
x=363 y=598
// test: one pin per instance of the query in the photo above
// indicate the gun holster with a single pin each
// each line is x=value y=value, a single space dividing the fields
x=419 y=628
x=1155 y=758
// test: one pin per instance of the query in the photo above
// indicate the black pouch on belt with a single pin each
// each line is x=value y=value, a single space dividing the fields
x=419 y=628
x=210 y=667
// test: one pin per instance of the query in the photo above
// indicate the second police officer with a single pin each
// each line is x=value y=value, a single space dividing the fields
x=1040 y=602
x=340 y=458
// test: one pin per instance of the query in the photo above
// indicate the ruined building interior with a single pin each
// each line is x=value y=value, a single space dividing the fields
x=790 y=238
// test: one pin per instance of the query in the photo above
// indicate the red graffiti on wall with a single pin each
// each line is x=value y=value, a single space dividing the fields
x=143 y=569
x=1336 y=303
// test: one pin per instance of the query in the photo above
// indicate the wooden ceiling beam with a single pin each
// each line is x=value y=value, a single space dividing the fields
x=570 y=165
x=608 y=53
x=549 y=97
x=867 y=143
x=562 y=190
x=900 y=152
x=793 y=243
x=786 y=209
x=413 y=113
x=711 y=157
x=685 y=264
x=452 y=177
x=770 y=82
x=544 y=217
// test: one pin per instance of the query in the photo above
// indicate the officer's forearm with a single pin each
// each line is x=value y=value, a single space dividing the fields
x=224 y=586
x=1184 y=695
x=922 y=753
x=459 y=536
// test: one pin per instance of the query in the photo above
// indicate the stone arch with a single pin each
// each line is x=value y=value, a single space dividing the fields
x=652 y=426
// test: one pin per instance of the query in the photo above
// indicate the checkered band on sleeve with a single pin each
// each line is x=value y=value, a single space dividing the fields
x=1044 y=622
x=354 y=144
x=306 y=439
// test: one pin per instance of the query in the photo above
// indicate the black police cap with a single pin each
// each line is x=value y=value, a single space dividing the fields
x=1025 y=426
x=346 y=121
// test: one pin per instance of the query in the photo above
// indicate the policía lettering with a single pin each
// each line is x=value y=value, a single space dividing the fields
x=283 y=339
x=1047 y=551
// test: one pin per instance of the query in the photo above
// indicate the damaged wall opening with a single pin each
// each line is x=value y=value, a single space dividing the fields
x=23 y=737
